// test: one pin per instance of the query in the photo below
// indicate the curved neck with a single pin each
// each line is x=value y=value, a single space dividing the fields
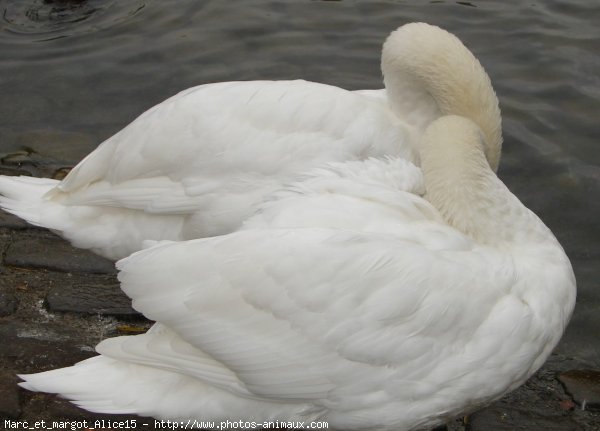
x=426 y=69
x=463 y=188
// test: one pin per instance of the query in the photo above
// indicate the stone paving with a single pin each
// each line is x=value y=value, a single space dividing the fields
x=58 y=302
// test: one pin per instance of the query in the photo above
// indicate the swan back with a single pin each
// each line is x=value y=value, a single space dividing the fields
x=424 y=65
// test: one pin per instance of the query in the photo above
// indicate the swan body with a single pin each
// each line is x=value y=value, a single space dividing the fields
x=201 y=162
x=374 y=295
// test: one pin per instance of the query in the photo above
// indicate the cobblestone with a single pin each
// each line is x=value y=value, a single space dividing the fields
x=88 y=294
x=10 y=404
x=44 y=250
x=8 y=303
x=10 y=221
x=583 y=386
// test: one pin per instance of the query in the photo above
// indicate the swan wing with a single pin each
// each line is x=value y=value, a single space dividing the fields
x=200 y=163
x=203 y=139
x=302 y=313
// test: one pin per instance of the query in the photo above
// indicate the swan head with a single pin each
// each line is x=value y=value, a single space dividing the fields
x=424 y=65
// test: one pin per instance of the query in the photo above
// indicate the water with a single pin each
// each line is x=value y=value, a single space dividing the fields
x=72 y=73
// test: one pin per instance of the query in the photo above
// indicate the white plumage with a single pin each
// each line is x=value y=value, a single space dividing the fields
x=201 y=162
x=348 y=297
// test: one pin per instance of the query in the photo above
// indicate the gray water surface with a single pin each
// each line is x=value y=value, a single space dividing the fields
x=72 y=73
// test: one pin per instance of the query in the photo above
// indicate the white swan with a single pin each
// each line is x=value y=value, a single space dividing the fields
x=347 y=298
x=199 y=163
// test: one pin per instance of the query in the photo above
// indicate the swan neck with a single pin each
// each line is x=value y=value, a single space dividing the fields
x=467 y=193
x=429 y=71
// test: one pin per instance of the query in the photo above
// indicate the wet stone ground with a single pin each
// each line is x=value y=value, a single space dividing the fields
x=58 y=302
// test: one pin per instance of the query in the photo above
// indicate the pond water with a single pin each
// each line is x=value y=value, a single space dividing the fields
x=72 y=73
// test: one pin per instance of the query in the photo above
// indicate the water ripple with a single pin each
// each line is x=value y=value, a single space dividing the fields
x=46 y=20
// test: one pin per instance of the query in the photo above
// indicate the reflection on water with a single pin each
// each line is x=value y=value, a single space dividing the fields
x=43 y=16
x=75 y=72
x=45 y=20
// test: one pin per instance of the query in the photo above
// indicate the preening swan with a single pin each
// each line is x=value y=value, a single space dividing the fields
x=347 y=297
x=201 y=162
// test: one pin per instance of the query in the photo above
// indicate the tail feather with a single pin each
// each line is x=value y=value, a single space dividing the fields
x=25 y=197
x=91 y=384
x=112 y=232
x=105 y=385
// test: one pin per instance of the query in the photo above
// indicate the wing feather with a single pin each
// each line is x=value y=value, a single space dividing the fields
x=194 y=143
x=297 y=314
x=163 y=349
